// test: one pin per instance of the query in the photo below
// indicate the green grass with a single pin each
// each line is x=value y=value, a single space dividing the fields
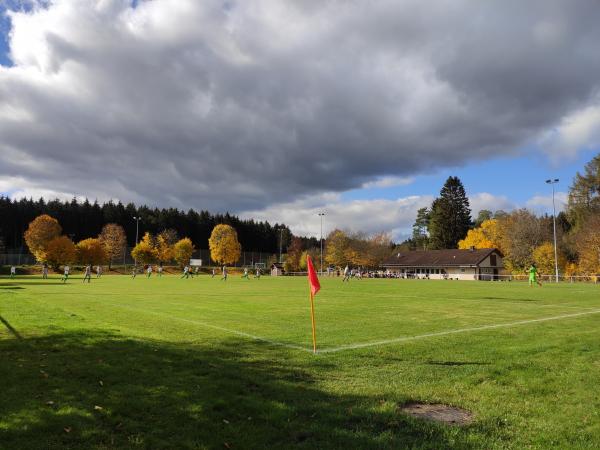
x=170 y=364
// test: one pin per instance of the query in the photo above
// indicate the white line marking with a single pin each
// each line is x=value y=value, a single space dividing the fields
x=365 y=344
x=461 y=330
x=215 y=327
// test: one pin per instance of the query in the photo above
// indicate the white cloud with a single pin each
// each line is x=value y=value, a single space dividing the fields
x=389 y=181
x=490 y=202
x=238 y=105
x=369 y=216
x=576 y=131
x=542 y=204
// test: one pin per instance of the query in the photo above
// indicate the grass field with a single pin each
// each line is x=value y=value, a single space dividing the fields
x=199 y=363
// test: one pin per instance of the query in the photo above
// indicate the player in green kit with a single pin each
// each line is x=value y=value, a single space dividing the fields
x=533 y=276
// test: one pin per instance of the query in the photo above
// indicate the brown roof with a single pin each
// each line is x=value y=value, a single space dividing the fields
x=445 y=258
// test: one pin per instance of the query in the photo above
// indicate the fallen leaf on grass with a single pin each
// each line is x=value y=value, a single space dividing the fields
x=67 y=429
x=98 y=408
x=49 y=403
x=227 y=445
x=101 y=383
x=225 y=421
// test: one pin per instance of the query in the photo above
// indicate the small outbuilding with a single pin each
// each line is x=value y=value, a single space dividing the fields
x=453 y=264
x=277 y=269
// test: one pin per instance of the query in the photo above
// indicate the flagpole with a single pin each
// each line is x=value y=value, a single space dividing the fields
x=312 y=318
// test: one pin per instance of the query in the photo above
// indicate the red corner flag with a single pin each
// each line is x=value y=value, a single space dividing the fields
x=313 y=280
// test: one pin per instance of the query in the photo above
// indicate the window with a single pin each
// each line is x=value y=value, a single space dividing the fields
x=462 y=270
x=492 y=259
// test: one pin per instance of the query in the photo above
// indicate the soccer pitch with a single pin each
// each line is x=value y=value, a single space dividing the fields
x=201 y=363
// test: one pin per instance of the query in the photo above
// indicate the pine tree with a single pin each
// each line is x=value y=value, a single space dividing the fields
x=450 y=216
x=420 y=236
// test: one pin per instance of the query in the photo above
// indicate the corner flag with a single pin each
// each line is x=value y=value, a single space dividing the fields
x=315 y=286
x=313 y=280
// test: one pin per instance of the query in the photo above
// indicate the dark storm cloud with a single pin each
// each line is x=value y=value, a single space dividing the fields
x=239 y=105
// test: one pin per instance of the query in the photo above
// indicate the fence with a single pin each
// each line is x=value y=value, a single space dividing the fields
x=18 y=257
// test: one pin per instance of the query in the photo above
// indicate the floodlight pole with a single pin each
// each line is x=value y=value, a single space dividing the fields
x=280 y=244
x=137 y=232
x=552 y=182
x=321 y=214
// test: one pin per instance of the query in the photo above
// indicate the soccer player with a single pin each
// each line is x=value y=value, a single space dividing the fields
x=87 y=275
x=257 y=274
x=13 y=271
x=245 y=273
x=65 y=276
x=134 y=272
x=98 y=271
x=159 y=270
x=214 y=272
x=346 y=274
x=196 y=269
x=149 y=271
x=533 y=276
x=224 y=277
x=186 y=272
x=44 y=271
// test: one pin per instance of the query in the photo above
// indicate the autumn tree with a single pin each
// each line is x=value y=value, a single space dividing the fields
x=223 y=244
x=450 y=216
x=169 y=236
x=483 y=215
x=294 y=253
x=59 y=250
x=40 y=232
x=487 y=235
x=588 y=245
x=164 y=249
x=145 y=251
x=584 y=194
x=114 y=240
x=543 y=256
x=91 y=251
x=183 y=251
x=521 y=232
x=314 y=254
x=336 y=246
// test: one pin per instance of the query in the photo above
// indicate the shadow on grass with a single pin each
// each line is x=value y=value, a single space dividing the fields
x=100 y=391
x=458 y=363
x=10 y=328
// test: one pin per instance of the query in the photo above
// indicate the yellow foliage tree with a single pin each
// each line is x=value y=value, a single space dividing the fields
x=91 y=251
x=183 y=251
x=487 y=235
x=114 y=240
x=314 y=254
x=164 y=250
x=223 y=244
x=40 y=232
x=59 y=250
x=543 y=256
x=336 y=248
x=144 y=251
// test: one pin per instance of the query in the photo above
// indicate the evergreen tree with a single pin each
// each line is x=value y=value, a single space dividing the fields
x=420 y=238
x=450 y=216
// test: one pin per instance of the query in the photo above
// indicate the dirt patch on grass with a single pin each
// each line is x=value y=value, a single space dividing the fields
x=449 y=415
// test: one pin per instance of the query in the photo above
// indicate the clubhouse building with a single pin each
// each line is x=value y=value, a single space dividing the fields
x=472 y=264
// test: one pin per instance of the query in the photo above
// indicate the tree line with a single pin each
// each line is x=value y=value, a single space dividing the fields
x=46 y=242
x=82 y=219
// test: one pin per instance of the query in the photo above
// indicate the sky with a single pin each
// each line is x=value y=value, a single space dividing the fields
x=280 y=110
